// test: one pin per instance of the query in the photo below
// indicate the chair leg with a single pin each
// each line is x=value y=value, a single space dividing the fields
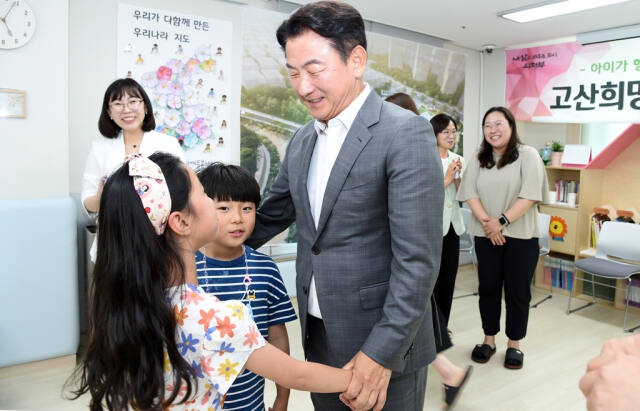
x=548 y=297
x=569 y=310
x=475 y=269
x=464 y=295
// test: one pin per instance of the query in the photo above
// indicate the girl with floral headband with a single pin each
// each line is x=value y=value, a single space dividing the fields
x=156 y=339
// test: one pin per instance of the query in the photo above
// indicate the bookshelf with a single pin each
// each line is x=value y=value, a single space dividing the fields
x=568 y=245
x=612 y=178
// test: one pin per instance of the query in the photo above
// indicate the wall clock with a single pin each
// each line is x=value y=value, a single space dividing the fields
x=17 y=23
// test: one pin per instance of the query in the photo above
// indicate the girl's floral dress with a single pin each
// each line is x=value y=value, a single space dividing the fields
x=215 y=337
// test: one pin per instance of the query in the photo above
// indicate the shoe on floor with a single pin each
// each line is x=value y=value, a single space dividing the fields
x=451 y=393
x=513 y=359
x=482 y=353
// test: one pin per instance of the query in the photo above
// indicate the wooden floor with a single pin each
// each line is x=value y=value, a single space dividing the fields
x=557 y=349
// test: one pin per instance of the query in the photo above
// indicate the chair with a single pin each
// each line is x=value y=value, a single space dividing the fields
x=617 y=257
x=543 y=242
x=466 y=245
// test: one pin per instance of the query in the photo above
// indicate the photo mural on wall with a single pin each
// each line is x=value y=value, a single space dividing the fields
x=271 y=112
x=184 y=64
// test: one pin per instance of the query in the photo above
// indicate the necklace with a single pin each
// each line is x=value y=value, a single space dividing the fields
x=249 y=294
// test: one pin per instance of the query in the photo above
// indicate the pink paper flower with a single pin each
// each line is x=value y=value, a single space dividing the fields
x=198 y=124
x=204 y=132
x=164 y=73
x=184 y=128
x=191 y=64
x=175 y=65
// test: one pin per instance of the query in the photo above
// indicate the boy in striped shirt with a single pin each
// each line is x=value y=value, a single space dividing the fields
x=231 y=270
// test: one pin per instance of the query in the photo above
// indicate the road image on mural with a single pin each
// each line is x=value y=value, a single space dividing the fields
x=271 y=112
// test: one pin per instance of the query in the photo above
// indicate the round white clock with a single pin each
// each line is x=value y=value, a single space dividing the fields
x=17 y=23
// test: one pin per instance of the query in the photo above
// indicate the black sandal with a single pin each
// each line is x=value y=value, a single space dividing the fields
x=482 y=353
x=514 y=359
x=451 y=393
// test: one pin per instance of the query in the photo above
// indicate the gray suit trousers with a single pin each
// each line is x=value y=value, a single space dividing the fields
x=405 y=392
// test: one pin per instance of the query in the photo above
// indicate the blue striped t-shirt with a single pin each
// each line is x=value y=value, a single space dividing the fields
x=271 y=306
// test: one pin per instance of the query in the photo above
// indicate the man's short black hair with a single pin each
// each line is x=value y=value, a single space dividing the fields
x=338 y=22
x=224 y=182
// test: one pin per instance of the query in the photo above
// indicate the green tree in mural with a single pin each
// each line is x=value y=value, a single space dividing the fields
x=277 y=101
x=249 y=143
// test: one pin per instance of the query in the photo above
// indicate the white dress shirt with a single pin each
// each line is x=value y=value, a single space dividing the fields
x=331 y=136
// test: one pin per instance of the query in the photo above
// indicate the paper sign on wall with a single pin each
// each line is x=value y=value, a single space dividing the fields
x=576 y=155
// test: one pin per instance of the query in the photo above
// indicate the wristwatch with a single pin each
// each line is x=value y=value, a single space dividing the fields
x=503 y=220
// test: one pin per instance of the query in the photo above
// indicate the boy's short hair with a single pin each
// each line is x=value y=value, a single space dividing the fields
x=224 y=182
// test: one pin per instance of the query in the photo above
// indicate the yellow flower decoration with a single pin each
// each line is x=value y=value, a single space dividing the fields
x=238 y=310
x=208 y=65
x=227 y=368
x=557 y=227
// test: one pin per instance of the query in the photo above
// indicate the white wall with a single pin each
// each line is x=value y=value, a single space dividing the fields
x=472 y=111
x=92 y=67
x=35 y=150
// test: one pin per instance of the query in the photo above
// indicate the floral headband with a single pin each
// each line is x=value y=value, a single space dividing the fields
x=152 y=188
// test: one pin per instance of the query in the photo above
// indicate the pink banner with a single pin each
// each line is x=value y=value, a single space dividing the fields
x=572 y=83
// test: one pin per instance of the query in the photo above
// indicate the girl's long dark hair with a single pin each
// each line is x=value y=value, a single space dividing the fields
x=130 y=322
x=485 y=154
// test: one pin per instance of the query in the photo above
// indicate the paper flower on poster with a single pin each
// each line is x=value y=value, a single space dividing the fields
x=149 y=80
x=164 y=73
x=184 y=128
x=174 y=101
x=179 y=97
x=190 y=140
x=208 y=65
x=203 y=52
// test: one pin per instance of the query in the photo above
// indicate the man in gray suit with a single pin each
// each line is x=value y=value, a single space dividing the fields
x=363 y=182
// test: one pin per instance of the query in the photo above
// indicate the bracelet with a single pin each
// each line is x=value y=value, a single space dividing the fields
x=505 y=217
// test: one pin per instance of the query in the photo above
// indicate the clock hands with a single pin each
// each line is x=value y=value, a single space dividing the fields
x=4 y=19
x=7 y=26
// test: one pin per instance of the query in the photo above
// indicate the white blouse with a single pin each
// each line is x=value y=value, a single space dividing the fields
x=107 y=154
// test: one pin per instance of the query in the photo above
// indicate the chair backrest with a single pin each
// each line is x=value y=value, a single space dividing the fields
x=543 y=241
x=466 y=216
x=465 y=237
x=619 y=240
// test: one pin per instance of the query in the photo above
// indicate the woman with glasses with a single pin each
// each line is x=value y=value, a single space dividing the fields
x=502 y=184
x=127 y=124
x=446 y=130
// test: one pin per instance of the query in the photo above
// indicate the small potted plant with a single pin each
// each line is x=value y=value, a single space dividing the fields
x=556 y=153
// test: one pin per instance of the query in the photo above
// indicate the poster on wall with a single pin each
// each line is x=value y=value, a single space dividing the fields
x=271 y=111
x=572 y=83
x=184 y=64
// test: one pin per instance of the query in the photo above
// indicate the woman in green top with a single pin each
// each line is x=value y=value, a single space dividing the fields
x=502 y=185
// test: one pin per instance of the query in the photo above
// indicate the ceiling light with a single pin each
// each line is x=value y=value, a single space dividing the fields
x=553 y=8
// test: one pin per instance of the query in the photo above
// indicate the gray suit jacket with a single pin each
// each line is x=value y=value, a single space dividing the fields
x=376 y=252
